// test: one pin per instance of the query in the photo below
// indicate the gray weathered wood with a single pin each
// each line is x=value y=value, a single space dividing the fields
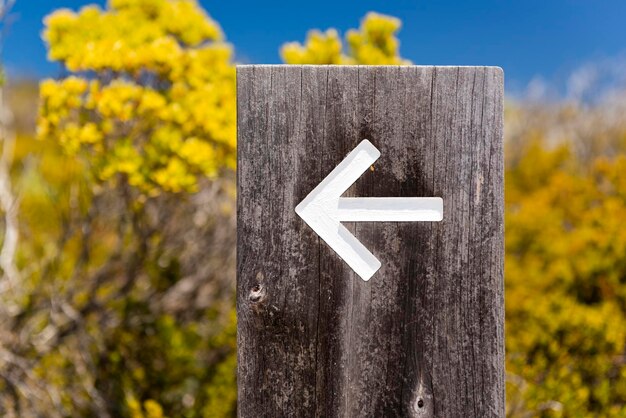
x=425 y=336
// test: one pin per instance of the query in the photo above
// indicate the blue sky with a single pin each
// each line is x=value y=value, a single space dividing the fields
x=530 y=39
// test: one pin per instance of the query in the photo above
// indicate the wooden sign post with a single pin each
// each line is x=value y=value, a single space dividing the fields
x=370 y=241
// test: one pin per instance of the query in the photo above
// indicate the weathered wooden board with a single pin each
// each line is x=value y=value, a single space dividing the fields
x=425 y=336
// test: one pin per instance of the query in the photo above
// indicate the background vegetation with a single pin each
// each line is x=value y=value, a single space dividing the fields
x=117 y=259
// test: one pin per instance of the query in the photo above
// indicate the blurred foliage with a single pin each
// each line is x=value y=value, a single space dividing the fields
x=125 y=303
x=126 y=217
x=374 y=43
x=565 y=271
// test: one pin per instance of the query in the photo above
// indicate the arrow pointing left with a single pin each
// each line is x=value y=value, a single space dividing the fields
x=324 y=209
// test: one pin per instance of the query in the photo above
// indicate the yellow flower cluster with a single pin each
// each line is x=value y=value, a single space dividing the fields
x=133 y=36
x=153 y=99
x=374 y=43
x=321 y=48
x=149 y=409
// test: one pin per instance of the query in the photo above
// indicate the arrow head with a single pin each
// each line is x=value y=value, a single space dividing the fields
x=320 y=210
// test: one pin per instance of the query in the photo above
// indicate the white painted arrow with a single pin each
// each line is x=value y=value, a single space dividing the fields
x=324 y=209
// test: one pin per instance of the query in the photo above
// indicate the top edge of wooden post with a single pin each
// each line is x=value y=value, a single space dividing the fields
x=488 y=67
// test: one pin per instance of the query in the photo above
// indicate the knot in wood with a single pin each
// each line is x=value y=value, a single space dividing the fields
x=257 y=293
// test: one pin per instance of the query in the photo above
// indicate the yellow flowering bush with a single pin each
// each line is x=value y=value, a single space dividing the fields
x=565 y=283
x=374 y=43
x=146 y=112
x=152 y=98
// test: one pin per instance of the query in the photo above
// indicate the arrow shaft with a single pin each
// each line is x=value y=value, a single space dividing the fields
x=390 y=209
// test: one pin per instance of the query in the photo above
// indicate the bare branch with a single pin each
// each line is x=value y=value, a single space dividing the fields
x=8 y=202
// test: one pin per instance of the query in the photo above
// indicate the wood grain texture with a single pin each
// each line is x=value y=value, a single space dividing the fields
x=425 y=336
